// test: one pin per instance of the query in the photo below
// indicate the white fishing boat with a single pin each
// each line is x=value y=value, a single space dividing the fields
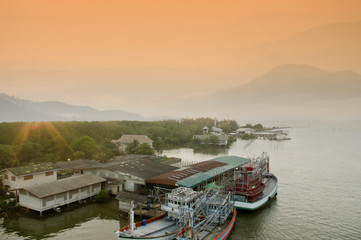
x=165 y=226
x=155 y=228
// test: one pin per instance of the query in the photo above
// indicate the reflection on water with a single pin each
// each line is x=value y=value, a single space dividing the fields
x=215 y=151
x=39 y=227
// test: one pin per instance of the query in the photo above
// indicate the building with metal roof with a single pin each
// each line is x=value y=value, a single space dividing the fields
x=122 y=173
x=199 y=173
x=127 y=139
x=79 y=164
x=29 y=175
x=32 y=168
x=58 y=193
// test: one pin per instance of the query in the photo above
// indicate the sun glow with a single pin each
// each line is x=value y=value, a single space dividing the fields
x=31 y=129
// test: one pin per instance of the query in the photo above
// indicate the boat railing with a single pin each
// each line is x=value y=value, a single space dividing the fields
x=138 y=224
x=220 y=213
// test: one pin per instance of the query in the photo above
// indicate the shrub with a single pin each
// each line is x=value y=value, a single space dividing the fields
x=102 y=196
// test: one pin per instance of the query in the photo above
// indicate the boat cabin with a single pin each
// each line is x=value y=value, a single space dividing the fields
x=179 y=199
x=249 y=182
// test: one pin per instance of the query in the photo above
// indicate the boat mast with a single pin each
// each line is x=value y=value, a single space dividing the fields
x=131 y=218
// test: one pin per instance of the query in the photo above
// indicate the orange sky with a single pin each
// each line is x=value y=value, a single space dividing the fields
x=177 y=34
x=205 y=42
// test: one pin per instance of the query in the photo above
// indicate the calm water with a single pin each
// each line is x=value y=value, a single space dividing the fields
x=319 y=194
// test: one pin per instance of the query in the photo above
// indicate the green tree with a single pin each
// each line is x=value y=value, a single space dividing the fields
x=258 y=126
x=158 y=144
x=7 y=156
x=145 y=149
x=228 y=126
x=61 y=149
x=85 y=144
x=102 y=196
x=245 y=136
x=213 y=139
x=132 y=147
x=79 y=155
x=136 y=148
x=30 y=152
x=108 y=149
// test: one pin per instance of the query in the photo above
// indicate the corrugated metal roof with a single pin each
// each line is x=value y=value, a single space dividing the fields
x=198 y=173
x=173 y=177
x=142 y=166
x=64 y=185
x=138 y=165
x=32 y=168
x=79 y=164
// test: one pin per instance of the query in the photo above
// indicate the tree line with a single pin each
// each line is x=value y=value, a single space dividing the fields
x=29 y=142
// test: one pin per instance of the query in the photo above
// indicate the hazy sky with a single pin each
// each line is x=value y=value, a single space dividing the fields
x=127 y=54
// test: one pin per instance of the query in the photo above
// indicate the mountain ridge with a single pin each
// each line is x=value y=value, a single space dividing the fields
x=286 y=88
x=17 y=109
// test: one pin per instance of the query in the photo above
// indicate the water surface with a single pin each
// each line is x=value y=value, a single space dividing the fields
x=319 y=194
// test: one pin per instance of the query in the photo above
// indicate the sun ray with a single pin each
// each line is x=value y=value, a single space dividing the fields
x=29 y=128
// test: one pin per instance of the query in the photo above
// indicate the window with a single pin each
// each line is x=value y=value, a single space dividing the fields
x=47 y=199
x=13 y=178
x=28 y=177
x=60 y=195
x=49 y=173
x=6 y=176
x=73 y=192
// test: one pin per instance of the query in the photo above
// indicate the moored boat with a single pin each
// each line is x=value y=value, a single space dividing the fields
x=212 y=218
x=165 y=226
x=155 y=228
x=221 y=232
x=254 y=186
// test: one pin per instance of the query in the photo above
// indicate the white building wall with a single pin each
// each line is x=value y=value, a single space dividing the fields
x=38 y=178
x=29 y=201
x=131 y=183
x=41 y=204
x=129 y=186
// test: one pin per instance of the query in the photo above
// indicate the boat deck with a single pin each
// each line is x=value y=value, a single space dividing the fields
x=216 y=232
x=212 y=232
x=157 y=228
x=270 y=183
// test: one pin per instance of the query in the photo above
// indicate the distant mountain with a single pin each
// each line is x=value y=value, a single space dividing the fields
x=286 y=89
x=14 y=109
x=297 y=82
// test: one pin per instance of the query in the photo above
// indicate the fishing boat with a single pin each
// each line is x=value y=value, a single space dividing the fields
x=213 y=216
x=254 y=185
x=155 y=228
x=165 y=226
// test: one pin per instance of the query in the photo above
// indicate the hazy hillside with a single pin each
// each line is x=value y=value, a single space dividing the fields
x=290 y=90
x=297 y=82
x=14 y=109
